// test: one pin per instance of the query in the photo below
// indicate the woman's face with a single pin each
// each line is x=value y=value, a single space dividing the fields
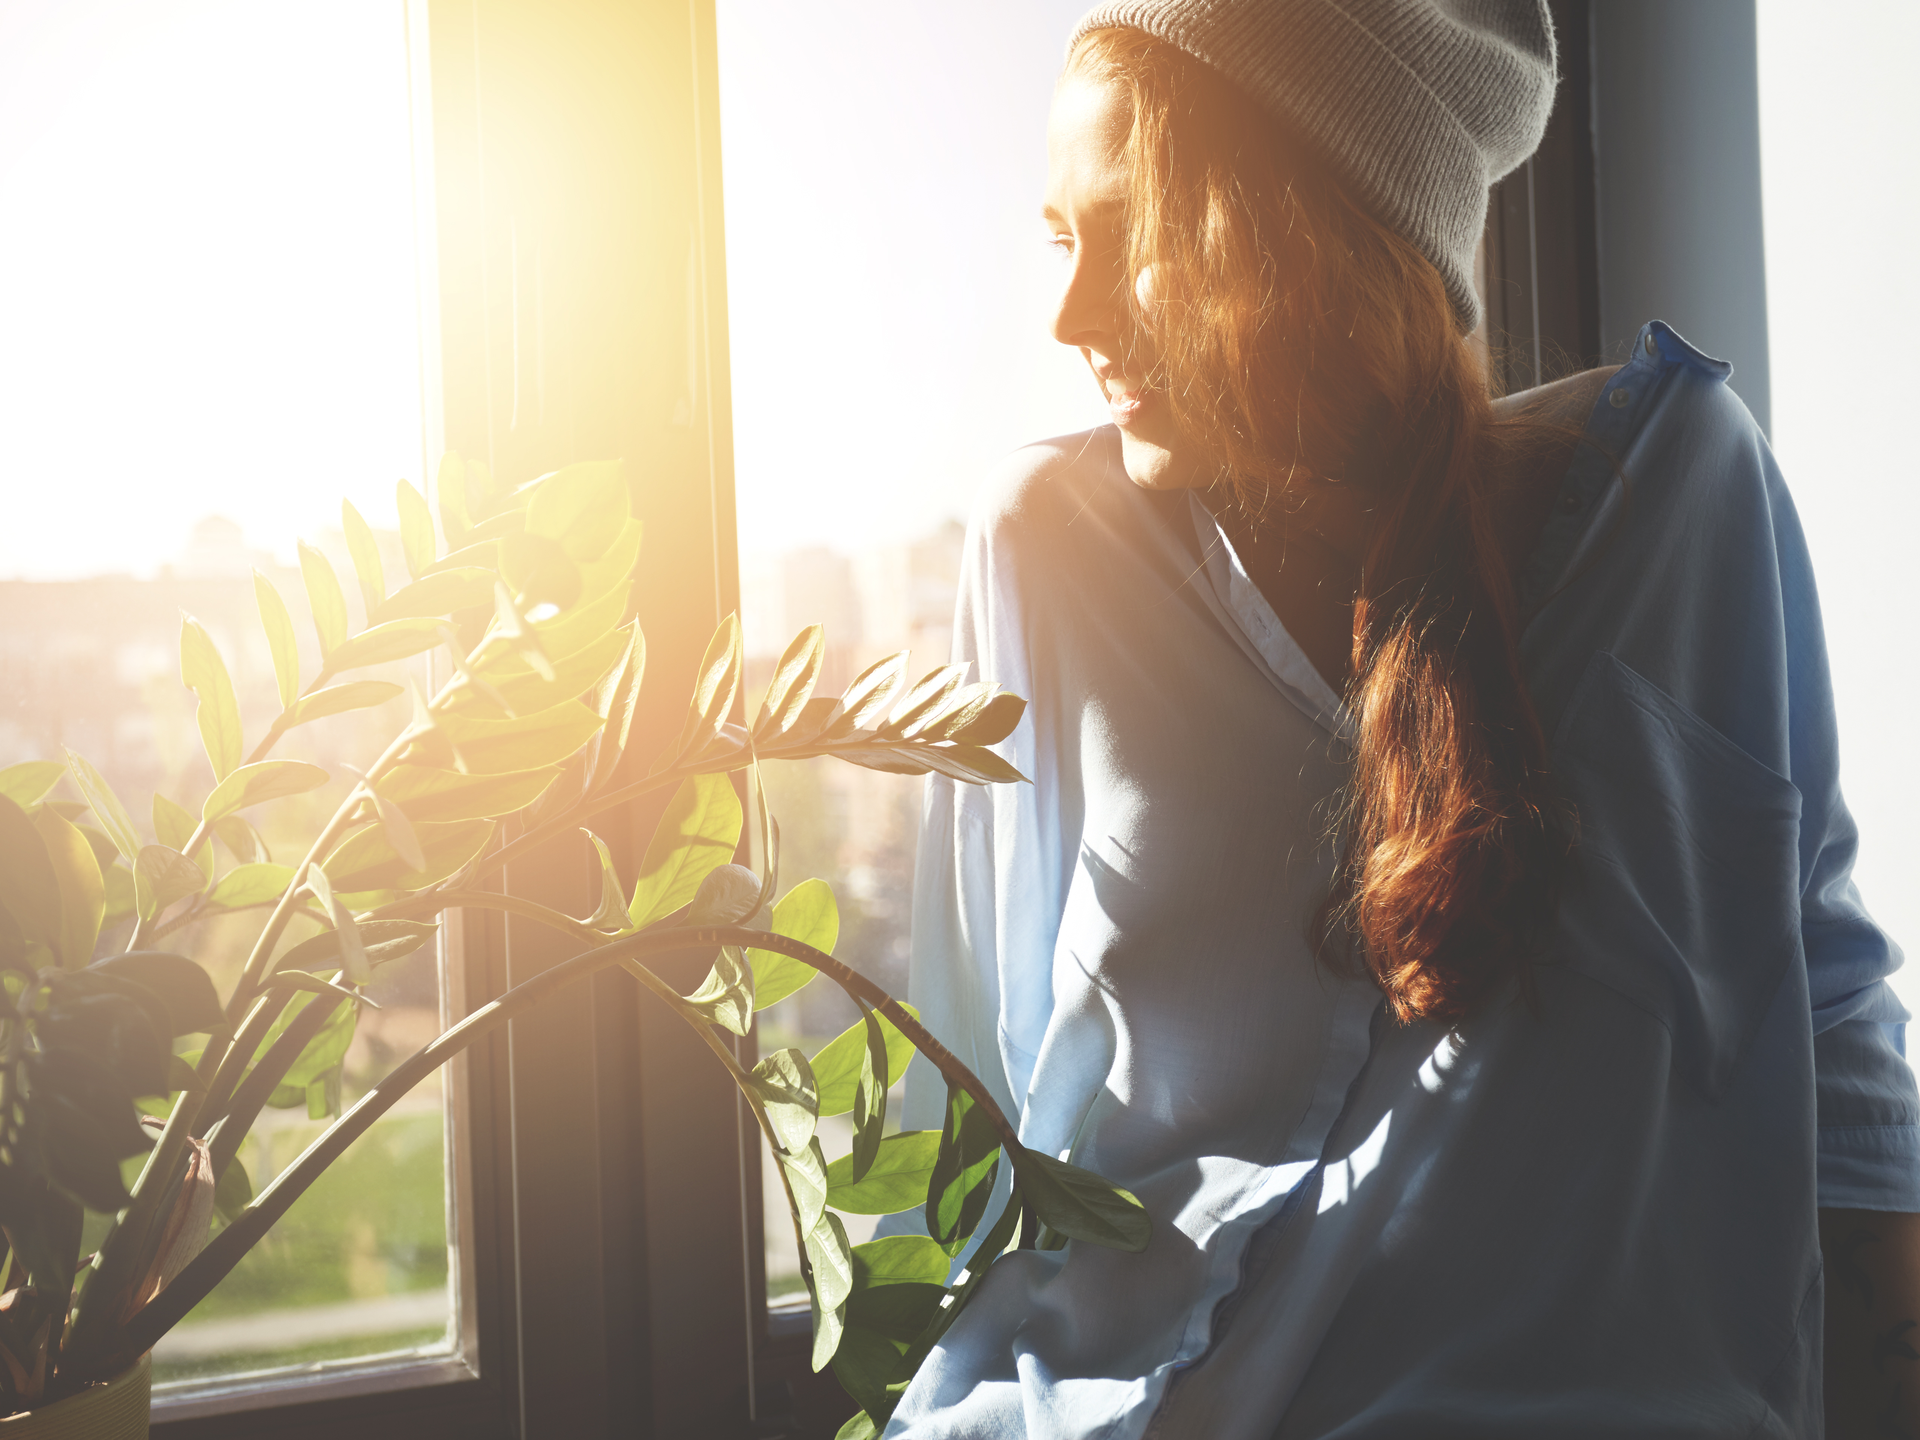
x=1086 y=208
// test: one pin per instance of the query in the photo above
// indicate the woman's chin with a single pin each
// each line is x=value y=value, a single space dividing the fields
x=1153 y=465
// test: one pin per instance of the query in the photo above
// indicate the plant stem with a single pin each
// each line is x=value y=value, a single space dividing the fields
x=213 y=1263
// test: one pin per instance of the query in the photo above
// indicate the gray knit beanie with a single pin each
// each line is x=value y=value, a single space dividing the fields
x=1418 y=105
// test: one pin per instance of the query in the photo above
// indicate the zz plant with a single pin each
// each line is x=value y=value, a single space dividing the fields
x=518 y=747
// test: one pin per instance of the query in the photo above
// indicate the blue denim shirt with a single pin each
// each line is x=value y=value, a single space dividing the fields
x=1587 y=1213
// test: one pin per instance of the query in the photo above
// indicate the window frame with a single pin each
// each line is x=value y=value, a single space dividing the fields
x=596 y=1151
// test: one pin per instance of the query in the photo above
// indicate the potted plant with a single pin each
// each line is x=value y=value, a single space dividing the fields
x=519 y=746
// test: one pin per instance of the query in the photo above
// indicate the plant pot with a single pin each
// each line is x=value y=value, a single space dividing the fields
x=116 y=1410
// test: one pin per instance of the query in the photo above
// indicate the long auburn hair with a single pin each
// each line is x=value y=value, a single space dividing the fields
x=1294 y=333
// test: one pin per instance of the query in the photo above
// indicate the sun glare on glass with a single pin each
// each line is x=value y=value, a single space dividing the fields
x=209 y=303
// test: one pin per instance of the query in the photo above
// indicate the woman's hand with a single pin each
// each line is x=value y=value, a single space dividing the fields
x=1873 y=1323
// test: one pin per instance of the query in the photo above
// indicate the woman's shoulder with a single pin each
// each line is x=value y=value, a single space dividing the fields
x=1040 y=488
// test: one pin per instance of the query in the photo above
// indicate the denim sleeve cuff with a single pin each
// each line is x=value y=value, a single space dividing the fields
x=1870 y=1167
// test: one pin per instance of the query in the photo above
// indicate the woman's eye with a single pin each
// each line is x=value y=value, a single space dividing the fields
x=1062 y=245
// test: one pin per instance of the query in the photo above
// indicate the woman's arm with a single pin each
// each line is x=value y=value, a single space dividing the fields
x=1873 y=1323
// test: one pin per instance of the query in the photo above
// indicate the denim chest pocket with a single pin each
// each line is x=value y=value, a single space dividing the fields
x=1684 y=891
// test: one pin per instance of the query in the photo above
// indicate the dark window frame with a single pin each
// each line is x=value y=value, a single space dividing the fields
x=1542 y=237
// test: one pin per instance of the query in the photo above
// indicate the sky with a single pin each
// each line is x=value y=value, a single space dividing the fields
x=207 y=288
x=889 y=280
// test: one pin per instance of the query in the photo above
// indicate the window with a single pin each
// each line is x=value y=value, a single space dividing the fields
x=220 y=334
x=1842 y=304
x=890 y=301
x=563 y=197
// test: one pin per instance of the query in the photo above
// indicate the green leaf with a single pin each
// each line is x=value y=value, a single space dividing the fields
x=259 y=782
x=437 y=595
x=1080 y=1205
x=865 y=1361
x=870 y=1098
x=606 y=585
x=399 y=830
x=806 y=1172
x=29 y=889
x=82 y=888
x=581 y=507
x=725 y=997
x=993 y=724
x=27 y=783
x=181 y=984
x=328 y=603
x=173 y=826
x=233 y=1192
x=365 y=551
x=308 y=981
x=902 y=1168
x=866 y=698
x=861 y=1427
x=429 y=793
x=524 y=692
x=714 y=691
x=322 y=1053
x=728 y=896
x=384 y=643
x=900 y=1260
x=832 y=1260
x=107 y=809
x=923 y=701
x=837 y=1065
x=162 y=875
x=611 y=916
x=243 y=842
x=826 y=1255
x=120 y=896
x=783 y=1083
x=616 y=697
x=248 y=885
x=538 y=571
x=973 y=763
x=367 y=861
x=338 y=700
x=518 y=631
x=416 y=528
x=806 y=913
x=498 y=747
x=828 y=1327
x=960 y=709
x=281 y=643
x=450 y=489
x=963 y=1172
x=353 y=951
x=698 y=833
x=794 y=677
x=383 y=940
x=205 y=673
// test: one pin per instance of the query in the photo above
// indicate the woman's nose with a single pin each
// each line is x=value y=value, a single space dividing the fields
x=1089 y=315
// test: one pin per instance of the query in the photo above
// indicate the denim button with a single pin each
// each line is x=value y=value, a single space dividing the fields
x=1619 y=398
x=1652 y=349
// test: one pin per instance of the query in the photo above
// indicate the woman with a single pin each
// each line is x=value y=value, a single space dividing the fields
x=1432 y=898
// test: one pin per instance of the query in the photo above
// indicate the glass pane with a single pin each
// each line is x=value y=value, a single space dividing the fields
x=209 y=334
x=1843 y=302
x=889 y=292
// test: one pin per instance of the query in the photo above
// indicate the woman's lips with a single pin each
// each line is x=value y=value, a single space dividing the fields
x=1124 y=405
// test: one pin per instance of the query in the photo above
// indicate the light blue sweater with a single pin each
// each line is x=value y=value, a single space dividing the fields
x=1593 y=1215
